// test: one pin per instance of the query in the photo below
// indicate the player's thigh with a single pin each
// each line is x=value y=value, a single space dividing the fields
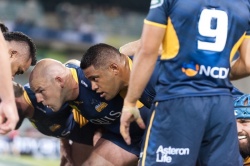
x=220 y=139
x=80 y=153
x=106 y=153
x=174 y=132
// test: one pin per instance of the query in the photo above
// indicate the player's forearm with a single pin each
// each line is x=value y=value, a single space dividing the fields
x=239 y=69
x=6 y=89
x=130 y=48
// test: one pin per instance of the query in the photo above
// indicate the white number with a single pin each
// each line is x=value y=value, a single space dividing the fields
x=219 y=33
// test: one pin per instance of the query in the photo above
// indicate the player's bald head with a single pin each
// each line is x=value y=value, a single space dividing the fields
x=46 y=69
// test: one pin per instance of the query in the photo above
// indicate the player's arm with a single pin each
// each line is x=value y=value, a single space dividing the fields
x=65 y=152
x=241 y=66
x=8 y=110
x=144 y=62
x=131 y=48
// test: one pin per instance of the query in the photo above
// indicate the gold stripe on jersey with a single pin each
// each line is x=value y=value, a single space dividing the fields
x=79 y=118
x=247 y=37
x=155 y=24
x=26 y=97
x=236 y=46
x=147 y=138
x=170 y=43
x=247 y=161
x=74 y=74
x=124 y=92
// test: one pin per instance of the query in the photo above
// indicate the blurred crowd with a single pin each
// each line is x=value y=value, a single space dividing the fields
x=108 y=20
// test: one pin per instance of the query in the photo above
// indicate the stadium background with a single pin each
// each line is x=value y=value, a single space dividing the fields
x=64 y=30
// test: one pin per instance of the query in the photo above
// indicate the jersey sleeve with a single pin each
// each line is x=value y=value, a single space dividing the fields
x=157 y=14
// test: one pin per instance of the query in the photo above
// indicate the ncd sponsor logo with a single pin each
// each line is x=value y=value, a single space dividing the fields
x=192 y=69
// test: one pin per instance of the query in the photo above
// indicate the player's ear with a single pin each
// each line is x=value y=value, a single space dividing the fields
x=114 y=68
x=60 y=81
x=12 y=53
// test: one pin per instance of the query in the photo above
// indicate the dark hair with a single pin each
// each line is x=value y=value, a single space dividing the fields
x=3 y=27
x=21 y=37
x=18 y=89
x=98 y=55
x=21 y=118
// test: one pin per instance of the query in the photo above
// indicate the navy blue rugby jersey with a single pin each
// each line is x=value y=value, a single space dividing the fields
x=200 y=41
x=61 y=124
x=99 y=111
x=94 y=108
x=149 y=93
x=89 y=103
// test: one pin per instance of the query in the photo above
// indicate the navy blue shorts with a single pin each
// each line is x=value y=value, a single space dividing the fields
x=112 y=133
x=190 y=131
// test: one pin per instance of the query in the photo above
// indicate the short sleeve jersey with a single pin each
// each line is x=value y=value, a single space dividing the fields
x=94 y=108
x=149 y=93
x=201 y=38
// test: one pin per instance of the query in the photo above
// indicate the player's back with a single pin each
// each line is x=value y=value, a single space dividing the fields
x=201 y=38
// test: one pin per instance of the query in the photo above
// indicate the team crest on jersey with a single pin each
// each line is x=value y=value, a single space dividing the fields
x=54 y=127
x=156 y=3
x=191 y=69
x=101 y=106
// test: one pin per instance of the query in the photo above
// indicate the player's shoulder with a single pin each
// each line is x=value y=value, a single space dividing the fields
x=71 y=65
x=162 y=3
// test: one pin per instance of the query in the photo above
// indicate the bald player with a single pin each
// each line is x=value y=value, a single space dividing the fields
x=55 y=84
x=64 y=124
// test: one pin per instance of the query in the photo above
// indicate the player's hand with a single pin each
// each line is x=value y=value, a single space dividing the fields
x=8 y=116
x=129 y=114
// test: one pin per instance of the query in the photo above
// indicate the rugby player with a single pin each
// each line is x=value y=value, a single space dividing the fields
x=193 y=91
x=54 y=84
x=65 y=124
x=242 y=113
x=22 y=53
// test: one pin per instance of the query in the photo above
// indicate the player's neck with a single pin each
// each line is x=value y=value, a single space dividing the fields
x=126 y=74
x=73 y=88
x=27 y=109
x=30 y=112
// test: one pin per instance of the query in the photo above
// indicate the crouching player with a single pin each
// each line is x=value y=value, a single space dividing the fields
x=66 y=124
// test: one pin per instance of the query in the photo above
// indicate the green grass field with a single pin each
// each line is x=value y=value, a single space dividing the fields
x=26 y=161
